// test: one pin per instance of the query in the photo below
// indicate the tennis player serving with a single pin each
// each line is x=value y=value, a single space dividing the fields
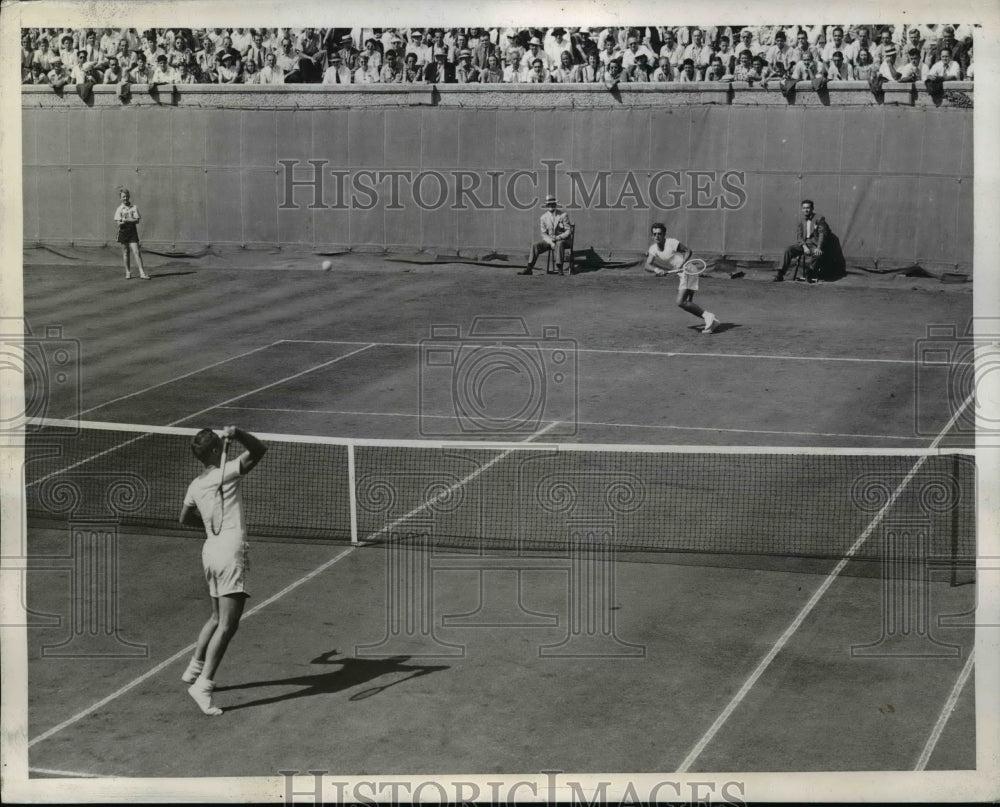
x=214 y=501
x=672 y=254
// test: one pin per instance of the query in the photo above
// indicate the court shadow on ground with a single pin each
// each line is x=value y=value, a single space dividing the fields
x=587 y=260
x=351 y=673
x=722 y=327
x=158 y=275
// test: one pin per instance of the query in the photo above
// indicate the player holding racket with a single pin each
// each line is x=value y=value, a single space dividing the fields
x=676 y=257
x=214 y=500
x=127 y=217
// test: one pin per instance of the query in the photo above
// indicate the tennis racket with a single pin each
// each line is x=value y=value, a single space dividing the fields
x=693 y=266
x=218 y=500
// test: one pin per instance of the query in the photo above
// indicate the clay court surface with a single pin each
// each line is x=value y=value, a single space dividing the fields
x=277 y=345
x=500 y=678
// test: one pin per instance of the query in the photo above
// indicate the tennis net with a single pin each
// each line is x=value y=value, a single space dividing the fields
x=821 y=503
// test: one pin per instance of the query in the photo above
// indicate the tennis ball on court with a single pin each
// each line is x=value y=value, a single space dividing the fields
x=327 y=266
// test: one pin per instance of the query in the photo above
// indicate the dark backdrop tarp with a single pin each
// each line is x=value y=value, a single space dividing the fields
x=895 y=183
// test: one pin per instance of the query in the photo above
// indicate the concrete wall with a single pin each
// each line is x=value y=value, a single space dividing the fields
x=723 y=166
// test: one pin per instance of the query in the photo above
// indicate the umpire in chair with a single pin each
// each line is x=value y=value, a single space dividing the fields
x=816 y=247
x=557 y=238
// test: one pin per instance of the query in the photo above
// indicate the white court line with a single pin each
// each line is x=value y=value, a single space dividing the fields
x=83 y=412
x=182 y=653
x=196 y=414
x=664 y=427
x=68 y=774
x=946 y=711
x=700 y=746
x=539 y=344
x=292 y=586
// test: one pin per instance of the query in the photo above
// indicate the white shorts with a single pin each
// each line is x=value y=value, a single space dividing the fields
x=226 y=565
x=688 y=282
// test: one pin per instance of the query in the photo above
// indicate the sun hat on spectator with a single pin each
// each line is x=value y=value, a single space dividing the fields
x=55 y=60
x=346 y=39
x=335 y=57
x=440 y=53
x=550 y=201
x=535 y=41
x=465 y=54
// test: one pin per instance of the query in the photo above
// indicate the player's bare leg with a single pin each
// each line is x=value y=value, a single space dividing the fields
x=685 y=300
x=230 y=610
x=138 y=260
x=197 y=662
x=126 y=262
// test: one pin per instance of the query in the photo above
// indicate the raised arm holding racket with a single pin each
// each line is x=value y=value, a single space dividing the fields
x=214 y=501
x=671 y=253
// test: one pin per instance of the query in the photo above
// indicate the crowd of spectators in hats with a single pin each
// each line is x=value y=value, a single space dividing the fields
x=756 y=54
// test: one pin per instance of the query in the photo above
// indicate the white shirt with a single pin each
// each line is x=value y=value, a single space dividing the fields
x=241 y=41
x=272 y=75
x=910 y=72
x=165 y=75
x=201 y=493
x=129 y=213
x=952 y=71
x=664 y=256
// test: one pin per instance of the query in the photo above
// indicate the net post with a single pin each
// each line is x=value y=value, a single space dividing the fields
x=352 y=492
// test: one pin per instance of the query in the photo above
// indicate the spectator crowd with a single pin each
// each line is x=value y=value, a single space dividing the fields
x=755 y=54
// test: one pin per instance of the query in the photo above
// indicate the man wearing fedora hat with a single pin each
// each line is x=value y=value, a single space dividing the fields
x=465 y=71
x=556 y=230
x=439 y=71
x=337 y=72
x=535 y=52
x=348 y=53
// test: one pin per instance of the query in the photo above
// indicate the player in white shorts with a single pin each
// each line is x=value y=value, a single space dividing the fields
x=214 y=501
x=672 y=254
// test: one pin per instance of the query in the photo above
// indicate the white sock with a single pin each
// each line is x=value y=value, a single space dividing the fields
x=708 y=316
x=201 y=691
x=193 y=670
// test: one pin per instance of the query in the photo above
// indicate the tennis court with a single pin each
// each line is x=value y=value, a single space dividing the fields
x=343 y=353
x=740 y=624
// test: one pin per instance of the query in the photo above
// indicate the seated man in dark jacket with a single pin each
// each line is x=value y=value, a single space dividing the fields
x=817 y=245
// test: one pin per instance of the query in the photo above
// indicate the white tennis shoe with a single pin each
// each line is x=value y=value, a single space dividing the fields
x=712 y=321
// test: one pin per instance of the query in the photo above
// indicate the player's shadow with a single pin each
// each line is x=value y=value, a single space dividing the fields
x=157 y=275
x=721 y=327
x=351 y=672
